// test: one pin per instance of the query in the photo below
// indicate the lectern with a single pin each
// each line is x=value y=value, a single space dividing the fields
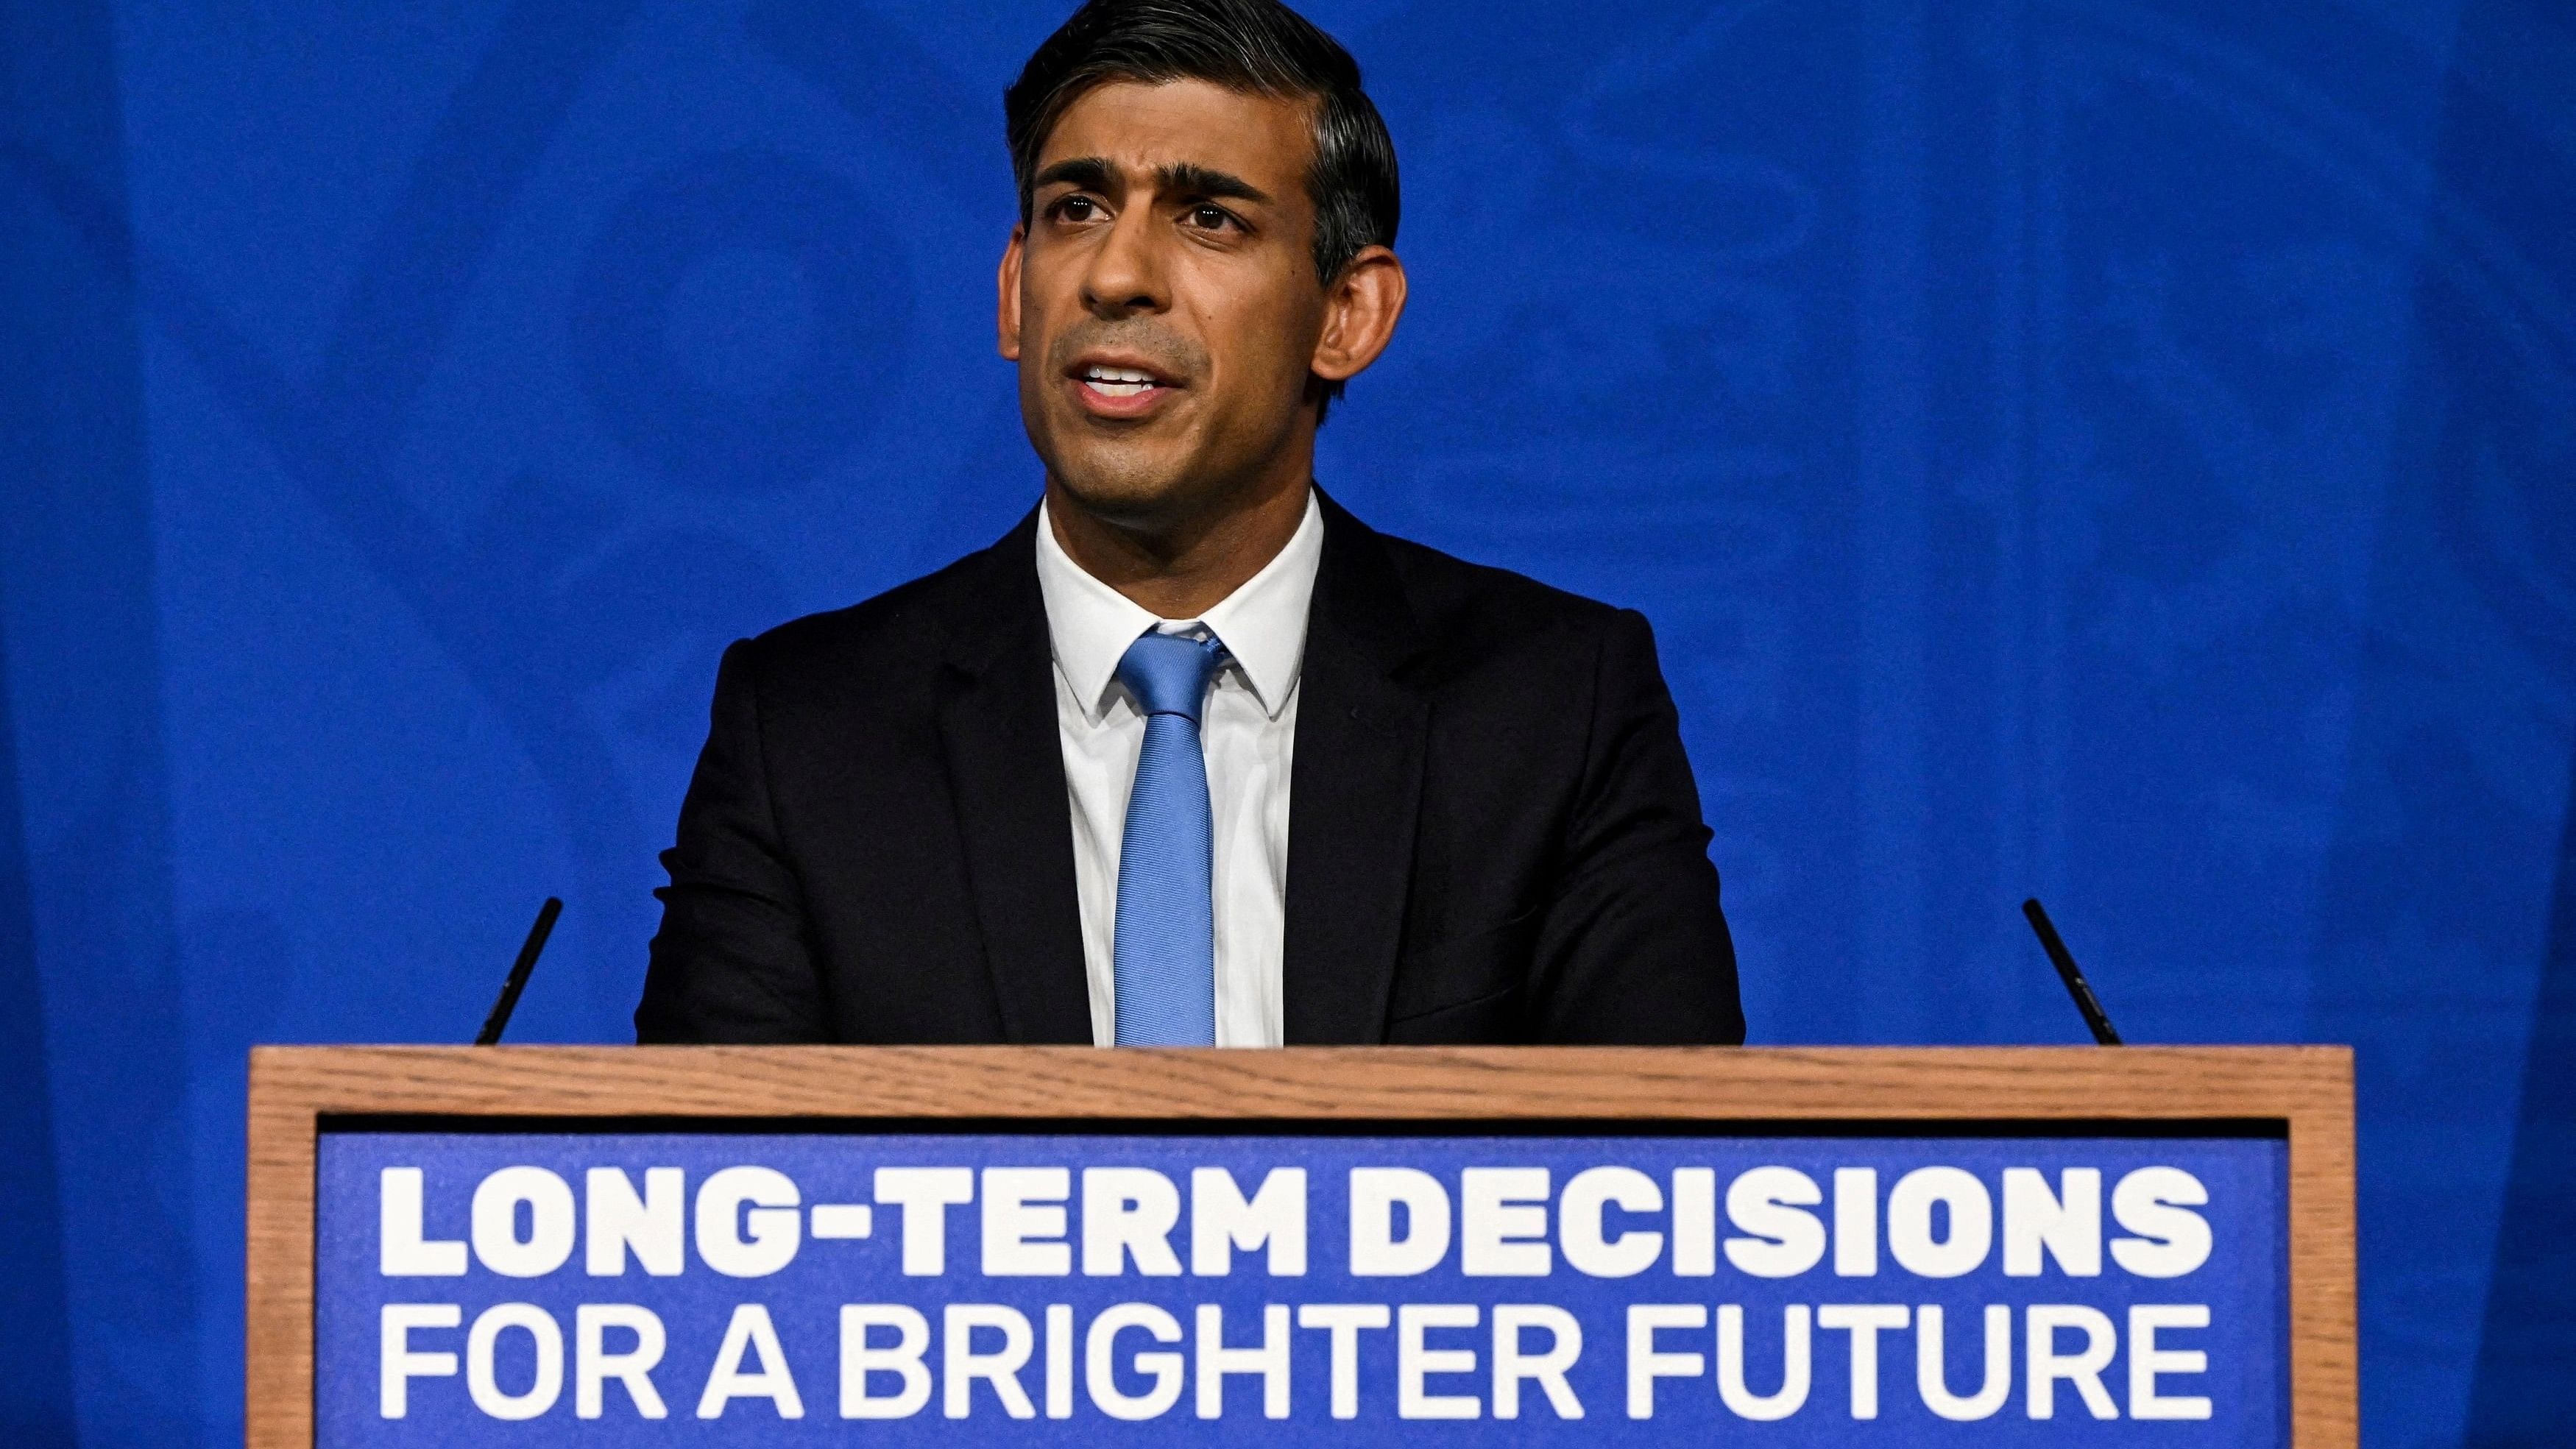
x=1354 y=1247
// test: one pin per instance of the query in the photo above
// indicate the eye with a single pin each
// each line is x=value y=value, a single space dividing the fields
x=1076 y=207
x=1212 y=218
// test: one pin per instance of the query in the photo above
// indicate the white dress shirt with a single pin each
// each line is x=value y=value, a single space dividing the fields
x=1247 y=734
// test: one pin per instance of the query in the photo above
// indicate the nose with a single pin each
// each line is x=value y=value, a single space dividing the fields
x=1126 y=274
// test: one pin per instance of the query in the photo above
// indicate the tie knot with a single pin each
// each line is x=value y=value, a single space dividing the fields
x=1169 y=673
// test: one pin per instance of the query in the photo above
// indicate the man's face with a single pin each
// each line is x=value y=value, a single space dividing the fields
x=1162 y=302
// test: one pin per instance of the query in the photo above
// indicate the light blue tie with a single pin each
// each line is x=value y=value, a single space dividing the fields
x=1163 y=953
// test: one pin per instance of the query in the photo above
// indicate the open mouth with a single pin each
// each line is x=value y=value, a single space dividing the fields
x=1121 y=382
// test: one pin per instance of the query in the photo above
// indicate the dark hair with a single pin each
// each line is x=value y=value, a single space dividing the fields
x=1259 y=46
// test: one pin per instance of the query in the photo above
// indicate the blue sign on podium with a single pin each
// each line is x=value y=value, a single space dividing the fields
x=1058 y=1288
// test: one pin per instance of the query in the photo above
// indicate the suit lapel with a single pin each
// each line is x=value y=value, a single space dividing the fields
x=1354 y=792
x=1006 y=773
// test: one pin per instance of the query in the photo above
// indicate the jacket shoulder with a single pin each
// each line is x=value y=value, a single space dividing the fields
x=1458 y=602
x=907 y=623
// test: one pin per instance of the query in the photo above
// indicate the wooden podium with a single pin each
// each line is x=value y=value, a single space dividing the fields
x=332 y=1207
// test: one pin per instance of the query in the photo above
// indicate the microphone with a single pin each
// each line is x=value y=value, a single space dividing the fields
x=2076 y=986
x=500 y=1018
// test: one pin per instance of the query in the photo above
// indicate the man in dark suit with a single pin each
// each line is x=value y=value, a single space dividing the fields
x=1192 y=756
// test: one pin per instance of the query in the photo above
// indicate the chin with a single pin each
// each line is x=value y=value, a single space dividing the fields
x=1123 y=488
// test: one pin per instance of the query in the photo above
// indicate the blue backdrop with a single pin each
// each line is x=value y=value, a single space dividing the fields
x=2117 y=451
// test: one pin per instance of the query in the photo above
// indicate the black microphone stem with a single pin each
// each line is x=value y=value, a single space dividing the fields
x=518 y=982
x=2076 y=985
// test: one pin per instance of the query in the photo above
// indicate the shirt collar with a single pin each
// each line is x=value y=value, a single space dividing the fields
x=1262 y=623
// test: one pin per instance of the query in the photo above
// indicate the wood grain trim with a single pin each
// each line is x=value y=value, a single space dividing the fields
x=278 y=1332
x=1357 y=1083
x=2325 y=1360
x=2309 y=1088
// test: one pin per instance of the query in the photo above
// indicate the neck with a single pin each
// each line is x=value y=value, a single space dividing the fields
x=1183 y=568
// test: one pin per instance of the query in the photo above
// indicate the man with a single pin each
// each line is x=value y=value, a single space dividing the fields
x=1192 y=756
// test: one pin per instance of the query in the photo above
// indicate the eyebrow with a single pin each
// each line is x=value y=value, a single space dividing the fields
x=1195 y=180
x=1188 y=178
x=1087 y=173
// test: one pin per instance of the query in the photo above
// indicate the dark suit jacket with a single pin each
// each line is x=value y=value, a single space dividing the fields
x=1493 y=835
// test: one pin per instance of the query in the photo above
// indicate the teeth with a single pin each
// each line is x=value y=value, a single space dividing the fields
x=1120 y=374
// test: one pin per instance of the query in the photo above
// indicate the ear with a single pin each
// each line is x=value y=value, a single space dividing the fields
x=1360 y=312
x=1008 y=283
